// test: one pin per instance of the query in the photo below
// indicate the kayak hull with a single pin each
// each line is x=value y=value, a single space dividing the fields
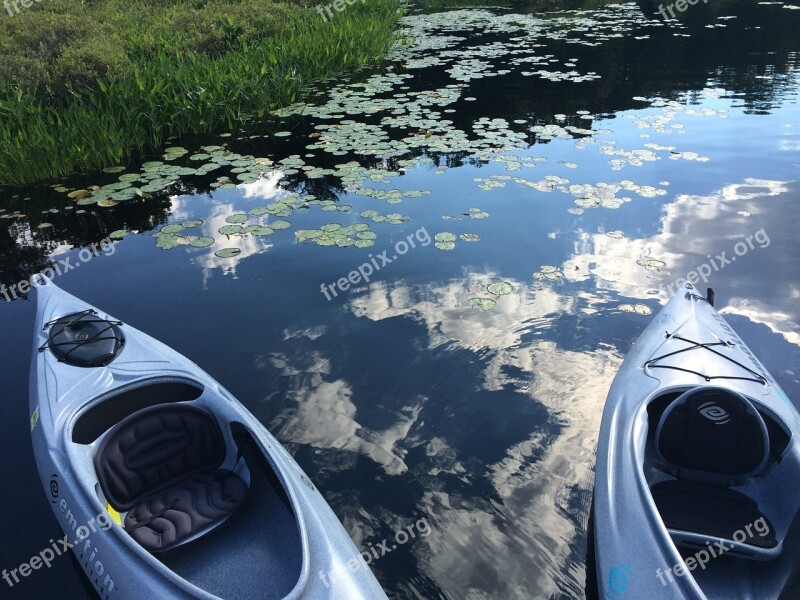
x=64 y=398
x=635 y=556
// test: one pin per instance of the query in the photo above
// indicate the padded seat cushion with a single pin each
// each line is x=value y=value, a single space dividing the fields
x=711 y=510
x=170 y=518
x=156 y=448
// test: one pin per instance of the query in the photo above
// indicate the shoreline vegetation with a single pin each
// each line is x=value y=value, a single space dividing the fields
x=87 y=85
x=91 y=84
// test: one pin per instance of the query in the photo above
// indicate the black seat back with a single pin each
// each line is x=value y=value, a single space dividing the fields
x=156 y=448
x=711 y=433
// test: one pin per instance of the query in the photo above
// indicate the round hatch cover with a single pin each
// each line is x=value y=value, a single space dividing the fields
x=84 y=340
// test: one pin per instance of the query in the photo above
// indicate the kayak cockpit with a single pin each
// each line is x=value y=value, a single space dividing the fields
x=192 y=487
x=717 y=465
x=711 y=440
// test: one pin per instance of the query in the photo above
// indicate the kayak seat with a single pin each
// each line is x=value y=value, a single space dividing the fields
x=712 y=434
x=713 y=511
x=712 y=439
x=162 y=465
x=172 y=517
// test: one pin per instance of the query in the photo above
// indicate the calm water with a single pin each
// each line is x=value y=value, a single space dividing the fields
x=613 y=155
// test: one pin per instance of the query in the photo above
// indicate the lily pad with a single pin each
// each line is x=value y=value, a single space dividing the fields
x=167 y=242
x=470 y=237
x=119 y=234
x=500 y=288
x=231 y=229
x=202 y=242
x=237 y=219
x=261 y=230
x=228 y=252
x=483 y=304
x=173 y=228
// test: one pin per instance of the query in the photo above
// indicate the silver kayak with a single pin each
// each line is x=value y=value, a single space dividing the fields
x=698 y=467
x=164 y=485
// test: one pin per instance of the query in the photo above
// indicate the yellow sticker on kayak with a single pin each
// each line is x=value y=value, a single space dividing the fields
x=114 y=514
x=34 y=418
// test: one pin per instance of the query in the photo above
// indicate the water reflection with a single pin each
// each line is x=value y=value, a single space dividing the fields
x=398 y=398
x=695 y=230
x=324 y=416
x=525 y=533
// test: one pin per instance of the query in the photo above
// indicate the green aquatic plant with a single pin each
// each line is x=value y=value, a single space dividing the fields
x=549 y=273
x=500 y=288
x=151 y=72
x=228 y=252
x=483 y=304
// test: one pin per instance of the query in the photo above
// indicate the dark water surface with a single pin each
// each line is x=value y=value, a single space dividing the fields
x=398 y=397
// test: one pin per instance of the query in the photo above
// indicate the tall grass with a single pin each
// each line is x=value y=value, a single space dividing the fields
x=167 y=93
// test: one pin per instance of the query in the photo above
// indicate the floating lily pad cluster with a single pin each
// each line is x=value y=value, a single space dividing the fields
x=640 y=309
x=391 y=196
x=391 y=218
x=336 y=234
x=382 y=117
x=496 y=290
x=548 y=273
x=176 y=234
x=474 y=213
x=159 y=175
x=445 y=240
